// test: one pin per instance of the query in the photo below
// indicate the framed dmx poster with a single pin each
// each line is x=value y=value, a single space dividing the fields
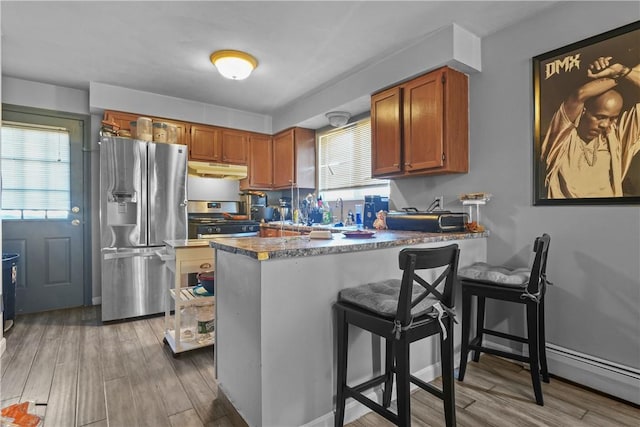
x=587 y=121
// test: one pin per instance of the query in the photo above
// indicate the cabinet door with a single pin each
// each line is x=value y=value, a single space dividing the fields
x=283 y=159
x=269 y=232
x=386 y=132
x=183 y=130
x=122 y=119
x=304 y=157
x=260 y=166
x=234 y=146
x=204 y=143
x=423 y=122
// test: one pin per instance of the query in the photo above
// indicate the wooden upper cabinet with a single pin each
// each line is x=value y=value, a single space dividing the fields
x=204 y=144
x=234 y=146
x=430 y=134
x=121 y=119
x=124 y=121
x=423 y=123
x=386 y=132
x=294 y=158
x=260 y=168
x=283 y=151
x=182 y=128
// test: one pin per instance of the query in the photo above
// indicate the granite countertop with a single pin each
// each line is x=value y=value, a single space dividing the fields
x=187 y=243
x=264 y=248
x=288 y=225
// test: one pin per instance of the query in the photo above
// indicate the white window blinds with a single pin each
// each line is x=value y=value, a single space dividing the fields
x=35 y=171
x=344 y=157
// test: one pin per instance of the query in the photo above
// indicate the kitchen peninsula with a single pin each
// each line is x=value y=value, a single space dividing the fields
x=275 y=323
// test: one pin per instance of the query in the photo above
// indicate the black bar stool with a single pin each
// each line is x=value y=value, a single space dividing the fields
x=401 y=311
x=523 y=286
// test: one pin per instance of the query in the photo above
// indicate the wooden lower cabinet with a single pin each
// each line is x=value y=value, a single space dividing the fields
x=273 y=232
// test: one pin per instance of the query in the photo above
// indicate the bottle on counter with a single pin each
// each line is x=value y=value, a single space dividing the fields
x=359 y=216
x=188 y=327
x=206 y=323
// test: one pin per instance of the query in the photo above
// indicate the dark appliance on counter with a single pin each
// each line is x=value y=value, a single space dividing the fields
x=433 y=222
x=208 y=219
x=373 y=205
x=284 y=212
x=255 y=204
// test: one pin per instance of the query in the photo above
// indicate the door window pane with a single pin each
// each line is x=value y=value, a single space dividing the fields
x=35 y=172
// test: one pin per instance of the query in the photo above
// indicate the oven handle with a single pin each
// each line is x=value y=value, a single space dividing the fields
x=221 y=236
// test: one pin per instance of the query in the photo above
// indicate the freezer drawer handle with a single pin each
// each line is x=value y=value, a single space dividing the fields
x=117 y=255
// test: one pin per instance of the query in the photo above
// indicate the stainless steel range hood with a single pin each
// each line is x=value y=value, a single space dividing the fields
x=217 y=170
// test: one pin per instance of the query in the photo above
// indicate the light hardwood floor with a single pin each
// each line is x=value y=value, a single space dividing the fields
x=121 y=374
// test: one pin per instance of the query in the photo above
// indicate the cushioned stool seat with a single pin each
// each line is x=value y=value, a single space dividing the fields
x=523 y=286
x=382 y=298
x=518 y=277
x=401 y=312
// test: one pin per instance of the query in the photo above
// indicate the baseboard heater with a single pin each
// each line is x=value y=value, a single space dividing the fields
x=609 y=377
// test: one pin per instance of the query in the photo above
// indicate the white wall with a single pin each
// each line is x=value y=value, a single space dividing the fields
x=594 y=307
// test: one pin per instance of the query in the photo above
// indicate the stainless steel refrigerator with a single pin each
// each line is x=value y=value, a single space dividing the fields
x=143 y=202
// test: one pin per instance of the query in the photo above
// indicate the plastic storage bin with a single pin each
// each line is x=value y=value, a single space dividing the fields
x=9 y=278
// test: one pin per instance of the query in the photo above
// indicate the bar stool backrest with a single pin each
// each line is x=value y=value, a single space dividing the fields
x=426 y=259
x=538 y=278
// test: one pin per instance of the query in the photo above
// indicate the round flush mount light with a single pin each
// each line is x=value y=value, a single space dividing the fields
x=234 y=64
x=338 y=118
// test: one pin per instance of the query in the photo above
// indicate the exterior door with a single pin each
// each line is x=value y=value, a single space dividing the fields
x=45 y=223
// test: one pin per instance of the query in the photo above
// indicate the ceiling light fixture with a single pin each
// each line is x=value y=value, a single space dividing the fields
x=234 y=64
x=338 y=118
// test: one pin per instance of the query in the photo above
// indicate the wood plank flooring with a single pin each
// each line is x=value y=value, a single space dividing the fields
x=85 y=373
x=121 y=374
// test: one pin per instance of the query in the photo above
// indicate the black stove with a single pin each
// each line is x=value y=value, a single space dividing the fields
x=202 y=228
x=208 y=219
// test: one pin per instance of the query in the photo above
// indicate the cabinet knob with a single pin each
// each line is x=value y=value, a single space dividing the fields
x=395 y=165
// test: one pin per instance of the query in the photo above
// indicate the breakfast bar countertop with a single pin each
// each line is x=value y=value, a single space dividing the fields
x=264 y=248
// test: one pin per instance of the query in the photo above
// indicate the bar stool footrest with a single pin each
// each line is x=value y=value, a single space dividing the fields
x=369 y=383
x=505 y=336
x=427 y=387
x=500 y=353
x=374 y=406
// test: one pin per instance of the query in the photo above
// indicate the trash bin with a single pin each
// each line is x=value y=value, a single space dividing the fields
x=9 y=278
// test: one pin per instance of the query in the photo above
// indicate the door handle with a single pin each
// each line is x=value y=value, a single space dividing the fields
x=75 y=222
x=75 y=209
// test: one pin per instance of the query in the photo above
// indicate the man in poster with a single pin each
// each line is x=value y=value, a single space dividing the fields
x=590 y=142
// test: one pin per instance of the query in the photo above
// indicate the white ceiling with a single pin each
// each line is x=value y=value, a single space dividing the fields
x=164 y=46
